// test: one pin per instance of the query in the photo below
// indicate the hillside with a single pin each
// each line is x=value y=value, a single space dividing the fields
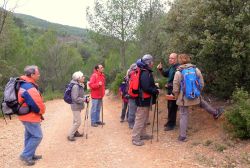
x=43 y=24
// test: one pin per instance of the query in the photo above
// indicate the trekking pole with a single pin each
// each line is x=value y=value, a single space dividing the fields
x=153 y=124
x=86 y=118
x=157 y=118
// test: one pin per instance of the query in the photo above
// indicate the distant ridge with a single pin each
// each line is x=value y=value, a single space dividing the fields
x=43 y=24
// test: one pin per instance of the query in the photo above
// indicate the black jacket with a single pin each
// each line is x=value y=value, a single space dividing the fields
x=147 y=85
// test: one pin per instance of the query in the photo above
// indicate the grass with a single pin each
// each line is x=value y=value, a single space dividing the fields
x=52 y=95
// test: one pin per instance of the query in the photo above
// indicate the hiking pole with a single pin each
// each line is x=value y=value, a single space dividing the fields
x=157 y=118
x=86 y=118
x=153 y=124
x=3 y=113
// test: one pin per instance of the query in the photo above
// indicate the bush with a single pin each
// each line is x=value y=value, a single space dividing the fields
x=49 y=95
x=116 y=83
x=238 y=116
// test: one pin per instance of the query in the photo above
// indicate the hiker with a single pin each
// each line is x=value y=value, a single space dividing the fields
x=31 y=100
x=147 y=96
x=183 y=102
x=132 y=107
x=78 y=99
x=97 y=89
x=124 y=94
x=172 y=107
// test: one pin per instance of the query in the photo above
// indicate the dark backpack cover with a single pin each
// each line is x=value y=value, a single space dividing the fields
x=10 y=104
x=67 y=93
x=190 y=83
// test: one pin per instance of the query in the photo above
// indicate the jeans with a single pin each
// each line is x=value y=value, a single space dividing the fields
x=32 y=138
x=95 y=110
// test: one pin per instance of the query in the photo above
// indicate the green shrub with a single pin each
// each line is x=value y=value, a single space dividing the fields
x=238 y=116
x=115 y=84
x=49 y=95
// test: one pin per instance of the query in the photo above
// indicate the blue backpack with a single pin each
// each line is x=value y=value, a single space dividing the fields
x=67 y=93
x=190 y=83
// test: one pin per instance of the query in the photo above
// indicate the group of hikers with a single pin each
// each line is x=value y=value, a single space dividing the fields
x=139 y=106
x=138 y=102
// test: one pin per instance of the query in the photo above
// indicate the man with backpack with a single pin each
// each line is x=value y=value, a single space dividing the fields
x=187 y=86
x=97 y=89
x=172 y=107
x=148 y=92
x=30 y=99
x=132 y=107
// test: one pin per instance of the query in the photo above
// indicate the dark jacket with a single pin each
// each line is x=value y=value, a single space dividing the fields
x=169 y=73
x=147 y=85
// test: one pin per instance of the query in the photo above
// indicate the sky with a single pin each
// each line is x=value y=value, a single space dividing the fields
x=67 y=12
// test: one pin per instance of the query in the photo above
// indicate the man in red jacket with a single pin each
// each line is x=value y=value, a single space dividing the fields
x=97 y=89
x=31 y=101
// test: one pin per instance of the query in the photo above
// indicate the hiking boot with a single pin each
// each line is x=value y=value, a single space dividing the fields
x=137 y=142
x=94 y=125
x=148 y=123
x=37 y=157
x=146 y=137
x=219 y=111
x=182 y=139
x=77 y=134
x=71 y=138
x=168 y=128
x=130 y=126
x=27 y=162
x=100 y=123
x=122 y=120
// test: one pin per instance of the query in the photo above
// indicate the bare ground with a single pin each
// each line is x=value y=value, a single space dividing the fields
x=110 y=146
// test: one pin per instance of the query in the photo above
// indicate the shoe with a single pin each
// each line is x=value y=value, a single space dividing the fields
x=130 y=126
x=94 y=125
x=148 y=123
x=137 y=142
x=146 y=137
x=122 y=121
x=100 y=123
x=37 y=157
x=71 y=138
x=166 y=124
x=219 y=112
x=27 y=162
x=182 y=139
x=77 y=134
x=168 y=128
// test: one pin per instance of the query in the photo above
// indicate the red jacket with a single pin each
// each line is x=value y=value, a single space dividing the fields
x=29 y=94
x=97 y=91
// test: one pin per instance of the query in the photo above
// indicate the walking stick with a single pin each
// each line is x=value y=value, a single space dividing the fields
x=86 y=118
x=3 y=113
x=153 y=124
x=157 y=118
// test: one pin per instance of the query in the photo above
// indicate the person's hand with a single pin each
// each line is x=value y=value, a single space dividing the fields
x=159 y=66
x=87 y=99
x=157 y=85
x=100 y=83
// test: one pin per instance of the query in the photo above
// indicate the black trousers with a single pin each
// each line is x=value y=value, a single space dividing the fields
x=172 y=110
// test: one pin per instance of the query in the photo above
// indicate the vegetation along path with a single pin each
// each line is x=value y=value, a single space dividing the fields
x=111 y=147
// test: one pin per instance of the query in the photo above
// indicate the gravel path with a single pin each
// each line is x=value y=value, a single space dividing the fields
x=111 y=147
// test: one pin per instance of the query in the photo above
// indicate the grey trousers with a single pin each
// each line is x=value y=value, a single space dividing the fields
x=132 y=108
x=76 y=123
x=184 y=115
x=141 y=120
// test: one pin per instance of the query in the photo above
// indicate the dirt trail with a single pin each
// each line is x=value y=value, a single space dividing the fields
x=110 y=146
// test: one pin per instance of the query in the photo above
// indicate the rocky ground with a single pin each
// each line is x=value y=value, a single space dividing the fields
x=111 y=147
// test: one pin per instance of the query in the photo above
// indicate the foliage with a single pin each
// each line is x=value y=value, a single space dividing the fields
x=239 y=115
x=116 y=83
x=215 y=33
x=116 y=19
x=50 y=95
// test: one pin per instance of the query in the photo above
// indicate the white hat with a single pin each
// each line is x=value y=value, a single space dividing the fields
x=147 y=59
